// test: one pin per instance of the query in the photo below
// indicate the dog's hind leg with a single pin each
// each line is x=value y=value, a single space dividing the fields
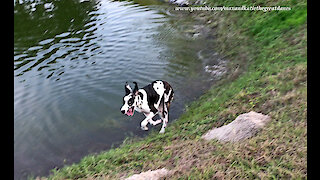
x=160 y=112
x=165 y=118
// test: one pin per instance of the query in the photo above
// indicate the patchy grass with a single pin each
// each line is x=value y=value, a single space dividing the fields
x=271 y=48
x=279 y=151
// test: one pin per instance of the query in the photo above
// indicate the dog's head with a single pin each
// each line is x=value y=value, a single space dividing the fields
x=129 y=99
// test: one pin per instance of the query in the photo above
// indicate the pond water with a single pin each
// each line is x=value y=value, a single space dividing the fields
x=71 y=61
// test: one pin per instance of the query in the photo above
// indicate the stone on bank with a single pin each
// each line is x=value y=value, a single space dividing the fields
x=243 y=127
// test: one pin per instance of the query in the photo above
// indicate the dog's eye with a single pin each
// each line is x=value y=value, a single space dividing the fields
x=130 y=101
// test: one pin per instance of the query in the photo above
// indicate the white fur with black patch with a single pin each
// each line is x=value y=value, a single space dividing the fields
x=150 y=100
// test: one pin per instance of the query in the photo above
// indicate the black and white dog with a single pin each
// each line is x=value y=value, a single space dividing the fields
x=150 y=100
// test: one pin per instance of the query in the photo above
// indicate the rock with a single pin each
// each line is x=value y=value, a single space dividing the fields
x=243 y=127
x=150 y=175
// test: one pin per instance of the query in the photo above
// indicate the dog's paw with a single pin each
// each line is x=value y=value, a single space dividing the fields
x=145 y=128
x=161 y=131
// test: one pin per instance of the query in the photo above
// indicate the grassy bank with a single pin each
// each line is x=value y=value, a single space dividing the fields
x=272 y=46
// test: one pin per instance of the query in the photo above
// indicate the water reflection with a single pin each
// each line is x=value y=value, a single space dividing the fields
x=41 y=31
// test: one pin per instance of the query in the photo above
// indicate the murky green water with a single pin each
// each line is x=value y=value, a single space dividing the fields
x=71 y=60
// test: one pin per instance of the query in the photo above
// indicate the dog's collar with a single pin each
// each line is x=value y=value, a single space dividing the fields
x=136 y=93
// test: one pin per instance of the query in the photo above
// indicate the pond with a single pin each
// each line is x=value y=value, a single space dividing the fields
x=71 y=61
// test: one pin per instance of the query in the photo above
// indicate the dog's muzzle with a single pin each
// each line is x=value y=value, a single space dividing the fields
x=130 y=111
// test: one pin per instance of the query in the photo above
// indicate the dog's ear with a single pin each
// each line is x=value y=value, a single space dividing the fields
x=127 y=88
x=135 y=87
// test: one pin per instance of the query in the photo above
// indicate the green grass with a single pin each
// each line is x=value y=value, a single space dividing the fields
x=270 y=49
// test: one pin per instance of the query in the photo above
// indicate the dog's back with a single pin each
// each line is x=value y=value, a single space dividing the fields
x=153 y=96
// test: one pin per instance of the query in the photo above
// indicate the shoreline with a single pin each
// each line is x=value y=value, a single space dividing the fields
x=267 y=56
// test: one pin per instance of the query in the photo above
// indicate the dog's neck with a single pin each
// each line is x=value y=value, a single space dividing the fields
x=137 y=100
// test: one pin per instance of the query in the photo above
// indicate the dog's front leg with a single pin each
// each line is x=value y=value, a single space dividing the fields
x=144 y=123
x=151 y=121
